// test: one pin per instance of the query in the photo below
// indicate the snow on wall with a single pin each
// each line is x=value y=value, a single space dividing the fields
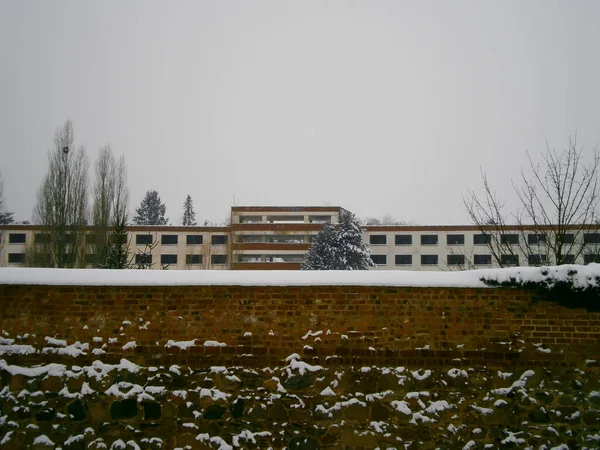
x=584 y=276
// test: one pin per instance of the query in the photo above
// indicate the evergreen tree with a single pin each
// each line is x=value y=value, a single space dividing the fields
x=322 y=253
x=115 y=255
x=353 y=252
x=189 y=216
x=339 y=248
x=151 y=211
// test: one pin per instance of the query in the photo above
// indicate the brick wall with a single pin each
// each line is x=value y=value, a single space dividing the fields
x=262 y=325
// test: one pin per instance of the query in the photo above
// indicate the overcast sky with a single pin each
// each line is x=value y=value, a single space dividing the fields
x=376 y=106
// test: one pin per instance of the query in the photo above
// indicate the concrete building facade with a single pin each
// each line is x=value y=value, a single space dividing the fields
x=278 y=237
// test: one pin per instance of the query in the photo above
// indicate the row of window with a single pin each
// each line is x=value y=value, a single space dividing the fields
x=173 y=239
x=19 y=258
x=478 y=260
x=479 y=239
x=172 y=259
x=374 y=239
x=140 y=239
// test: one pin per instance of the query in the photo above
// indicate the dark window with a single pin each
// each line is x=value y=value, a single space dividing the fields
x=568 y=259
x=143 y=239
x=482 y=260
x=16 y=258
x=509 y=260
x=168 y=239
x=536 y=260
x=455 y=239
x=533 y=239
x=428 y=260
x=16 y=238
x=380 y=260
x=168 y=259
x=218 y=259
x=403 y=239
x=219 y=239
x=429 y=239
x=568 y=238
x=591 y=258
x=42 y=238
x=378 y=239
x=509 y=239
x=90 y=258
x=193 y=239
x=142 y=258
x=69 y=238
x=591 y=238
x=193 y=259
x=403 y=260
x=481 y=239
x=90 y=238
x=455 y=260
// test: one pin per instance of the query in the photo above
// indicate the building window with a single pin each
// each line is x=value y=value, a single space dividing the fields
x=591 y=258
x=380 y=260
x=193 y=259
x=509 y=260
x=250 y=258
x=456 y=260
x=455 y=239
x=42 y=238
x=591 y=238
x=168 y=239
x=251 y=238
x=218 y=259
x=69 y=238
x=143 y=258
x=403 y=260
x=568 y=238
x=16 y=238
x=568 y=259
x=90 y=239
x=533 y=239
x=16 y=258
x=509 y=239
x=219 y=239
x=429 y=260
x=193 y=239
x=168 y=259
x=481 y=239
x=536 y=260
x=482 y=260
x=90 y=258
x=403 y=239
x=429 y=239
x=143 y=239
x=378 y=239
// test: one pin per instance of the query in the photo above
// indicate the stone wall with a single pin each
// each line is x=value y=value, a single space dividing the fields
x=220 y=367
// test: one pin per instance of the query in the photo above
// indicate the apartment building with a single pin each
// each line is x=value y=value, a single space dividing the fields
x=278 y=237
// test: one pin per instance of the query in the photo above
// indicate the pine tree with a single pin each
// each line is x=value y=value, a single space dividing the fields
x=339 y=248
x=353 y=252
x=322 y=253
x=115 y=255
x=151 y=211
x=189 y=216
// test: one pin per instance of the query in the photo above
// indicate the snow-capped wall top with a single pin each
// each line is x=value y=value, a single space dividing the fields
x=583 y=276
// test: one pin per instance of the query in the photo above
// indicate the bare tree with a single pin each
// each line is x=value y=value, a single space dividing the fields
x=62 y=202
x=111 y=200
x=5 y=216
x=558 y=200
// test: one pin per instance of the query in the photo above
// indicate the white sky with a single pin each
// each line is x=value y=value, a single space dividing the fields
x=379 y=106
